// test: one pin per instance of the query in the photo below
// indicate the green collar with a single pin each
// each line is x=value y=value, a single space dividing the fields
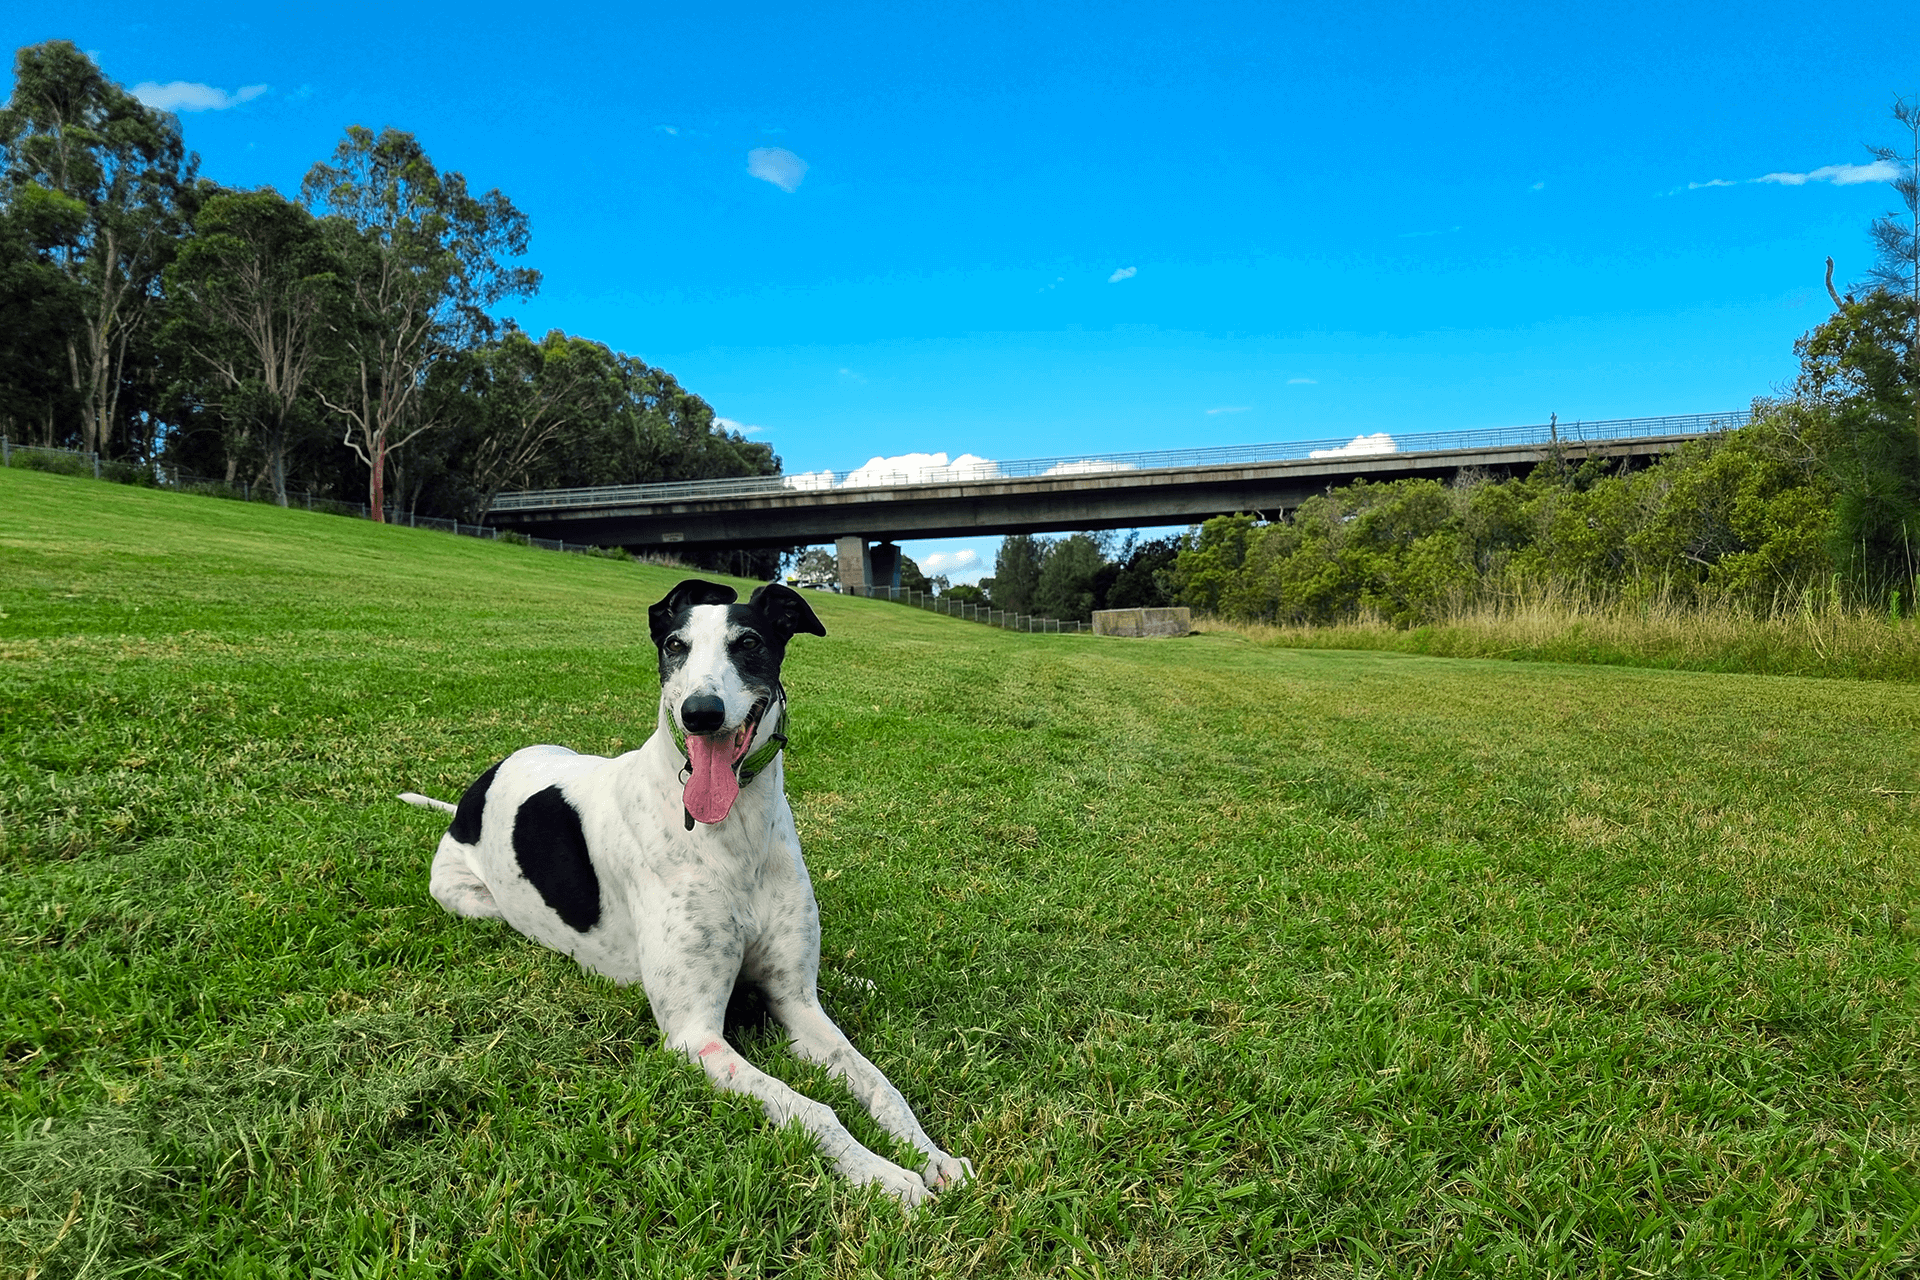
x=751 y=767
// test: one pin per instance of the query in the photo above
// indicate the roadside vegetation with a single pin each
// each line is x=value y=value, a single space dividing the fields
x=1217 y=959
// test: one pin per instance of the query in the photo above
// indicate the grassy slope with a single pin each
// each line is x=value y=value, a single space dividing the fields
x=1215 y=958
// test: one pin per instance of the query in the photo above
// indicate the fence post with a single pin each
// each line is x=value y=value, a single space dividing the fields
x=6 y=453
x=96 y=465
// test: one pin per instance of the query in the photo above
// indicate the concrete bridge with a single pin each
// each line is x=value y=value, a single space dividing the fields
x=1036 y=495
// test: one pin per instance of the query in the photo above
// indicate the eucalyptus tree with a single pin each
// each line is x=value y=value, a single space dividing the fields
x=421 y=263
x=524 y=394
x=104 y=183
x=253 y=293
x=1896 y=240
x=41 y=306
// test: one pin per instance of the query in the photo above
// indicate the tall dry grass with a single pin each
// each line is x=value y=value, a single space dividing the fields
x=1803 y=633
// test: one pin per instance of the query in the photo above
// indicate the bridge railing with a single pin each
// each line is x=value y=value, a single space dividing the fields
x=1379 y=444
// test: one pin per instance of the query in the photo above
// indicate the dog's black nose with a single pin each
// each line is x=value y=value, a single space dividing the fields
x=702 y=713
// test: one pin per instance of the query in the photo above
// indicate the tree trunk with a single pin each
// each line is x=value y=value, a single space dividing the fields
x=277 y=457
x=377 y=480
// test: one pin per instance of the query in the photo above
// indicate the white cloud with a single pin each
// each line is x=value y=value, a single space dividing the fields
x=728 y=424
x=1087 y=467
x=904 y=468
x=920 y=468
x=1538 y=186
x=951 y=562
x=1124 y=273
x=1840 y=175
x=1229 y=408
x=183 y=95
x=777 y=165
x=851 y=376
x=1303 y=382
x=1360 y=447
x=672 y=131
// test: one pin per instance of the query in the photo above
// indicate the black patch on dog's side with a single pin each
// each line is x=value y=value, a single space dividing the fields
x=473 y=806
x=552 y=852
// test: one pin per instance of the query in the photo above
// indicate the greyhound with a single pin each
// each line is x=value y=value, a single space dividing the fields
x=678 y=866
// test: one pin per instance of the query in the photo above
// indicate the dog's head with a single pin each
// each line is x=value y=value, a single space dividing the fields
x=720 y=674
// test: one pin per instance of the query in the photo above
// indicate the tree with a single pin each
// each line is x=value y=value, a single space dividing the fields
x=1145 y=575
x=1896 y=238
x=421 y=265
x=1067 y=576
x=1856 y=401
x=1016 y=572
x=252 y=288
x=106 y=181
x=966 y=593
x=42 y=307
x=912 y=577
x=816 y=567
x=649 y=428
x=520 y=397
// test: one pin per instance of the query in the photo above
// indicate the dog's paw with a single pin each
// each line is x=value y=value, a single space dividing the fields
x=945 y=1171
x=903 y=1185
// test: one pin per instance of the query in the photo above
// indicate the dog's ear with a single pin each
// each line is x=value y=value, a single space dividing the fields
x=786 y=610
x=685 y=596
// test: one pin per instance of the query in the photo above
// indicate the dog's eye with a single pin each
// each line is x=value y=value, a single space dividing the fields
x=748 y=642
x=675 y=644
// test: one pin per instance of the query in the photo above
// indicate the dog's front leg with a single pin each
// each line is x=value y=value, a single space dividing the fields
x=734 y=1074
x=817 y=1038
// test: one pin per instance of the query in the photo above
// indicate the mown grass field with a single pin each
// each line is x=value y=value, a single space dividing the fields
x=1217 y=959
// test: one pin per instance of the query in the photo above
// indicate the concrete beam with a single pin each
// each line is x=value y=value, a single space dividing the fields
x=1034 y=504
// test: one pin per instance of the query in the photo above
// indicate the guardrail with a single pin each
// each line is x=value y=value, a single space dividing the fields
x=1378 y=445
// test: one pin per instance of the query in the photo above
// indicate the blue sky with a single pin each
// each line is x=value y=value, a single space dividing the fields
x=1337 y=219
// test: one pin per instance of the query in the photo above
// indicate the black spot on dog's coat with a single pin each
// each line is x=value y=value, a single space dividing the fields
x=473 y=806
x=552 y=852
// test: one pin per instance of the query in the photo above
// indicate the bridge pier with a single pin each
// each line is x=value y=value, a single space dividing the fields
x=863 y=567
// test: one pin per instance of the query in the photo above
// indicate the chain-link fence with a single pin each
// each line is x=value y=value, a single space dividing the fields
x=984 y=614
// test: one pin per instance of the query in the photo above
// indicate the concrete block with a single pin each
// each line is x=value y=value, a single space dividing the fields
x=1142 y=623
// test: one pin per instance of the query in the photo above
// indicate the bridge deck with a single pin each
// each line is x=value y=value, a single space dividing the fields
x=1054 y=494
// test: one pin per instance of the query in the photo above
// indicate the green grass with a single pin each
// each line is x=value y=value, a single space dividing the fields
x=1216 y=958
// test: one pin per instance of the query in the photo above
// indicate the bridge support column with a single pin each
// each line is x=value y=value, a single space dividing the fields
x=883 y=565
x=851 y=556
x=864 y=567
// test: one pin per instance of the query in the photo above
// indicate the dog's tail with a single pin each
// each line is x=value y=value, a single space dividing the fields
x=426 y=802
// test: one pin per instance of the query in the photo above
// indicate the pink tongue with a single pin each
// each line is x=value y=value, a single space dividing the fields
x=712 y=789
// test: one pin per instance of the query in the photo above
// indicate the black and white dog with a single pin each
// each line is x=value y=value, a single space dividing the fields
x=677 y=866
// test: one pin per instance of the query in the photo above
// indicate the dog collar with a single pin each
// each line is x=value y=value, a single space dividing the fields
x=752 y=766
